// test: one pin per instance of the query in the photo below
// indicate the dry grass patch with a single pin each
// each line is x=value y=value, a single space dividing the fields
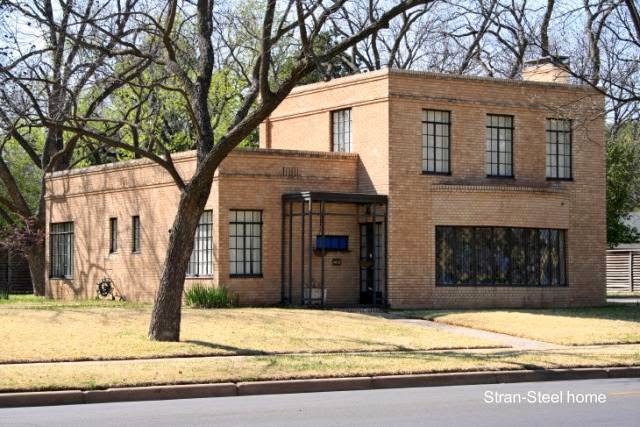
x=92 y=375
x=580 y=326
x=93 y=333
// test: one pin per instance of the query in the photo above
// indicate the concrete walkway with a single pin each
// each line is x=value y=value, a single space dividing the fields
x=516 y=343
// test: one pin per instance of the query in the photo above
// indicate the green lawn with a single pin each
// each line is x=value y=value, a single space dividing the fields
x=572 y=326
x=40 y=330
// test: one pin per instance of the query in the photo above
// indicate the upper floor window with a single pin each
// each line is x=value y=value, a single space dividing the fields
x=113 y=235
x=201 y=261
x=436 y=141
x=499 y=148
x=341 y=135
x=558 y=149
x=135 y=234
x=61 y=250
x=245 y=243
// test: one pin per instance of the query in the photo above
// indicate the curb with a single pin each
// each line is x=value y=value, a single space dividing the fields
x=191 y=391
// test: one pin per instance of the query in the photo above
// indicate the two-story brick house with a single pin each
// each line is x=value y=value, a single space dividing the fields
x=394 y=188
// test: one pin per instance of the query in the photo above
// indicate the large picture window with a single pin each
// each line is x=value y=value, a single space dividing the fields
x=499 y=149
x=245 y=243
x=500 y=256
x=201 y=261
x=436 y=142
x=341 y=136
x=558 y=149
x=61 y=250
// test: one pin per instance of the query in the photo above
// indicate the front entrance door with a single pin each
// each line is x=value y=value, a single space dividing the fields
x=370 y=252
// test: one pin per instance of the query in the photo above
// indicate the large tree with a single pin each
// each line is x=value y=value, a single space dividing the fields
x=48 y=75
x=188 y=43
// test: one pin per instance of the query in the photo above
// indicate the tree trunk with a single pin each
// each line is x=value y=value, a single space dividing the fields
x=166 y=314
x=36 y=259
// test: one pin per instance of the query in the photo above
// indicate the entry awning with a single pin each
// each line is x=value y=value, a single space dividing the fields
x=322 y=196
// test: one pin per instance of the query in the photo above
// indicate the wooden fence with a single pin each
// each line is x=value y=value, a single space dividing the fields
x=623 y=270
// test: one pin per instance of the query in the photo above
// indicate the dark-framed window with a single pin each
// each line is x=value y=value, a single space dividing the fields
x=500 y=256
x=61 y=249
x=341 y=130
x=332 y=243
x=558 y=148
x=201 y=261
x=499 y=147
x=113 y=235
x=135 y=233
x=245 y=243
x=436 y=142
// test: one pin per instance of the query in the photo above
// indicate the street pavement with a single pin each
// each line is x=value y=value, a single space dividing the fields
x=607 y=402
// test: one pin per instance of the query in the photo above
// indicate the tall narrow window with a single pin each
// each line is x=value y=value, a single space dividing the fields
x=135 y=234
x=113 y=235
x=201 y=261
x=341 y=124
x=436 y=142
x=499 y=148
x=61 y=250
x=245 y=243
x=558 y=149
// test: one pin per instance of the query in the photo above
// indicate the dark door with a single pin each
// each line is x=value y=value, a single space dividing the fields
x=367 y=264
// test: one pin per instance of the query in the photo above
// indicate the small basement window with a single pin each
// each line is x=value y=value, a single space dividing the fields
x=332 y=243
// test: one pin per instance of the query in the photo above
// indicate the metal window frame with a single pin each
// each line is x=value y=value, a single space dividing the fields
x=244 y=236
x=113 y=235
x=61 y=265
x=449 y=138
x=561 y=246
x=197 y=251
x=499 y=128
x=136 y=245
x=555 y=133
x=350 y=133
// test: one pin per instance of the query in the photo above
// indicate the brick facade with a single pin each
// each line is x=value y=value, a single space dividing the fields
x=387 y=159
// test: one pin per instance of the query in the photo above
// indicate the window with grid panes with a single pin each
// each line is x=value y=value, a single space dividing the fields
x=341 y=135
x=201 y=261
x=245 y=243
x=499 y=146
x=558 y=162
x=436 y=142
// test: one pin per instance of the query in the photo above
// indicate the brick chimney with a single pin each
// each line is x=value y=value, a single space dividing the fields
x=547 y=69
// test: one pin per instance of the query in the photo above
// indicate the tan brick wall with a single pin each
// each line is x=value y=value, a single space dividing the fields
x=245 y=180
x=418 y=203
x=387 y=140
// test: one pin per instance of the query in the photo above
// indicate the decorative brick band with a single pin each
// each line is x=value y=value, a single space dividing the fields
x=484 y=188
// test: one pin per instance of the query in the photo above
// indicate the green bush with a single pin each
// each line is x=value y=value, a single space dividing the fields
x=4 y=293
x=201 y=296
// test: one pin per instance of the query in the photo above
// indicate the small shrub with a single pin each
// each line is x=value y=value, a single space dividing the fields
x=4 y=293
x=201 y=296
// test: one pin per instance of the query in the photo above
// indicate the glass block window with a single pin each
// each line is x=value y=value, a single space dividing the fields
x=499 y=147
x=113 y=235
x=135 y=234
x=500 y=256
x=245 y=243
x=558 y=149
x=201 y=261
x=61 y=249
x=341 y=136
x=436 y=142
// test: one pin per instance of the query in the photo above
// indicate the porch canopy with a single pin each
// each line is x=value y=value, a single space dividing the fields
x=307 y=207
